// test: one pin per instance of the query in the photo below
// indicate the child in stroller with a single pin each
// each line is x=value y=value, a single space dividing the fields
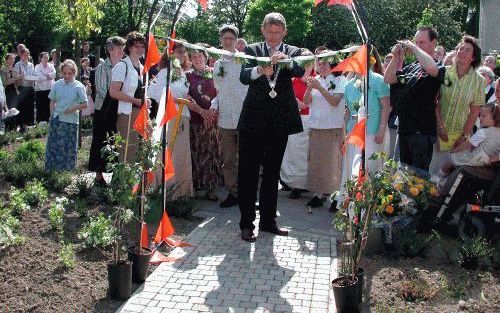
x=472 y=188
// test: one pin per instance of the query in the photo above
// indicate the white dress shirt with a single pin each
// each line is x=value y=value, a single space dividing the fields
x=125 y=72
x=46 y=77
x=322 y=115
x=179 y=88
x=25 y=69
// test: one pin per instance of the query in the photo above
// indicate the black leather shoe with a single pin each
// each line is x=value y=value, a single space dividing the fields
x=295 y=194
x=315 y=202
x=274 y=230
x=229 y=202
x=248 y=235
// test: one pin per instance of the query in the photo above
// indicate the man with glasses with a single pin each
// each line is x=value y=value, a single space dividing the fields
x=227 y=106
x=413 y=93
x=268 y=116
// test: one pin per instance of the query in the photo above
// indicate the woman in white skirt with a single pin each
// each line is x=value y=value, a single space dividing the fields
x=294 y=165
x=325 y=97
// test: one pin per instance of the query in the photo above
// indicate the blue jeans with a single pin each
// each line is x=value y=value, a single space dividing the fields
x=416 y=151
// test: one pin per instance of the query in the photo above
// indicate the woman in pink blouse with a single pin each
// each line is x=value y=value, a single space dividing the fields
x=46 y=74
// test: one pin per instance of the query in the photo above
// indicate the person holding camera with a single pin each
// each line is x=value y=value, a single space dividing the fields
x=413 y=93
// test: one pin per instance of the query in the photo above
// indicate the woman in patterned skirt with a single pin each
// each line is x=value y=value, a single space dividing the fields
x=67 y=97
x=205 y=141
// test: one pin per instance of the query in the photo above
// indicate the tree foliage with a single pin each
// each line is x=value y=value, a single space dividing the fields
x=83 y=16
x=296 y=12
x=230 y=12
x=199 y=29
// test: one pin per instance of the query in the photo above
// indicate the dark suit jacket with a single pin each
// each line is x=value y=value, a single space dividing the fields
x=260 y=112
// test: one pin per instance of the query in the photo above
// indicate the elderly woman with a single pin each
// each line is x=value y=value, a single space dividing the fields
x=489 y=90
x=205 y=141
x=105 y=114
x=182 y=182
x=67 y=97
x=46 y=74
x=128 y=89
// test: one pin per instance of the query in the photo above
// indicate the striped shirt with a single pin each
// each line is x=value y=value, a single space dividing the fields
x=457 y=95
x=102 y=82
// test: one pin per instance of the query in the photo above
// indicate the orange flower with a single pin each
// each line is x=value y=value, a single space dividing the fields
x=359 y=196
x=420 y=187
x=389 y=209
x=414 y=191
x=390 y=198
x=398 y=187
x=434 y=192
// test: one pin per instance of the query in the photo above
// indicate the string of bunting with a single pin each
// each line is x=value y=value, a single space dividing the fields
x=242 y=58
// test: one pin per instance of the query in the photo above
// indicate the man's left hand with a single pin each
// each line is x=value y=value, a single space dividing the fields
x=278 y=55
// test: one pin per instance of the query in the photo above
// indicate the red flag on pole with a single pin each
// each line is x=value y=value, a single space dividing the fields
x=357 y=135
x=170 y=109
x=165 y=229
x=144 y=236
x=355 y=63
x=141 y=122
x=171 y=43
x=153 y=56
x=169 y=165
x=150 y=176
x=204 y=4
x=346 y=3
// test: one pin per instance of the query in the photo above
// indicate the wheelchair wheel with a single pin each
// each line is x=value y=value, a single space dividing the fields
x=471 y=226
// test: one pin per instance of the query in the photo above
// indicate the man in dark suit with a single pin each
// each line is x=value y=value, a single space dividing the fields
x=270 y=113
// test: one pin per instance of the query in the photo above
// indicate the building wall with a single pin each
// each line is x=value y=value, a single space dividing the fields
x=489 y=34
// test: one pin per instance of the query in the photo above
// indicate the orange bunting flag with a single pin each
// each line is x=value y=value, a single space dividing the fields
x=168 y=165
x=153 y=56
x=141 y=122
x=150 y=176
x=144 y=236
x=357 y=135
x=204 y=4
x=346 y=3
x=171 y=44
x=177 y=244
x=355 y=63
x=159 y=257
x=165 y=229
x=170 y=109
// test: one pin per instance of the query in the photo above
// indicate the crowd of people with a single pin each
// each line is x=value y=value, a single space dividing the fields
x=245 y=123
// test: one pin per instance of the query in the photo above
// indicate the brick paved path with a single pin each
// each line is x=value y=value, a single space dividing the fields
x=222 y=273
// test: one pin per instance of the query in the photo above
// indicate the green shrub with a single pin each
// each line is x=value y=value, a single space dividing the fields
x=35 y=193
x=56 y=214
x=3 y=155
x=9 y=227
x=36 y=132
x=8 y=138
x=58 y=181
x=83 y=186
x=410 y=243
x=98 y=232
x=473 y=251
x=17 y=202
x=81 y=207
x=67 y=256
x=20 y=173
x=29 y=151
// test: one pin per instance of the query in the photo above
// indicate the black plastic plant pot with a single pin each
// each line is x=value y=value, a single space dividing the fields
x=346 y=293
x=140 y=260
x=361 y=280
x=120 y=280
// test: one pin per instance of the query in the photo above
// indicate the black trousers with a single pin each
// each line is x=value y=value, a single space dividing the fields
x=266 y=149
x=26 y=106
x=42 y=105
x=104 y=125
x=416 y=151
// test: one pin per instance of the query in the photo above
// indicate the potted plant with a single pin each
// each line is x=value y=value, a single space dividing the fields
x=364 y=197
x=147 y=161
